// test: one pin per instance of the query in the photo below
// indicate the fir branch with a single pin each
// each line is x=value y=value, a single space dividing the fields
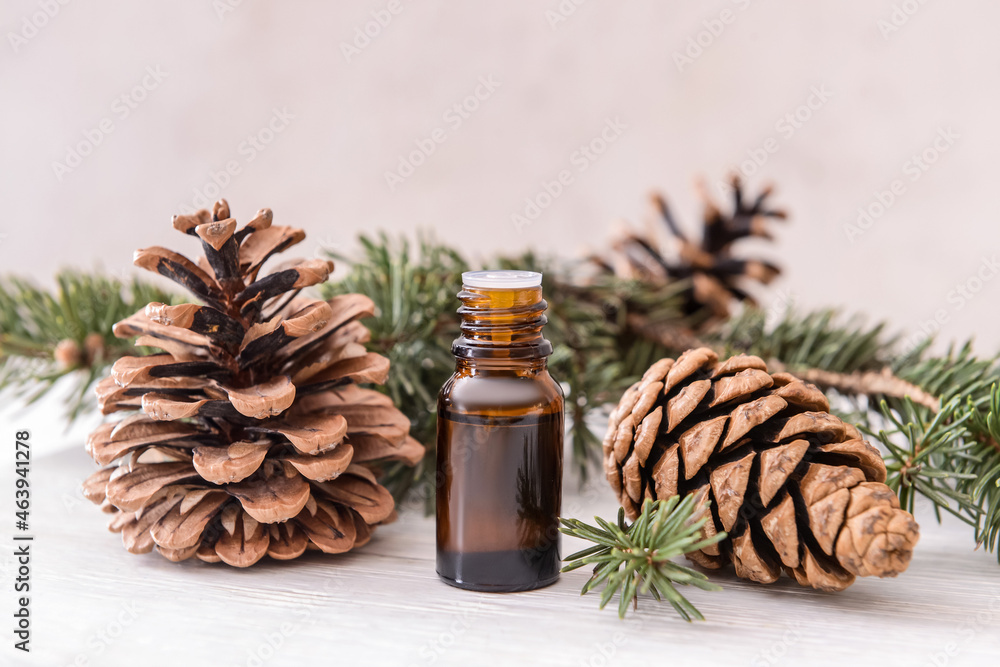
x=955 y=373
x=922 y=447
x=46 y=335
x=951 y=457
x=636 y=559
x=822 y=339
x=984 y=427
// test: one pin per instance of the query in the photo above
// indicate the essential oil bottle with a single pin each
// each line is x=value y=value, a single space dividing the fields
x=500 y=441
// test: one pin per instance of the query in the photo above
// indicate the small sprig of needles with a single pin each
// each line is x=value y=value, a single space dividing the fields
x=637 y=559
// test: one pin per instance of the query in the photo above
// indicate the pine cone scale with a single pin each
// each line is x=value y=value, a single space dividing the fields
x=133 y=489
x=180 y=529
x=224 y=465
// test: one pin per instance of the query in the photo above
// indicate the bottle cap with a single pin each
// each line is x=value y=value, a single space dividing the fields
x=501 y=279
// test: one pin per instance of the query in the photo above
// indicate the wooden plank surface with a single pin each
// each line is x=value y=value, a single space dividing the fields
x=95 y=604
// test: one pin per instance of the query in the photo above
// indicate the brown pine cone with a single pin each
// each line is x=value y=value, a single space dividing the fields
x=793 y=486
x=248 y=435
x=717 y=276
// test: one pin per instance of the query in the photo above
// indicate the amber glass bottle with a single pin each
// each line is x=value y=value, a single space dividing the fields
x=500 y=441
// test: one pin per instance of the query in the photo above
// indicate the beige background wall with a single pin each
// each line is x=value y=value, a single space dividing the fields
x=199 y=80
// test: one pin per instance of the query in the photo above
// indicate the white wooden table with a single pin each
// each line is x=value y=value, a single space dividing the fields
x=95 y=604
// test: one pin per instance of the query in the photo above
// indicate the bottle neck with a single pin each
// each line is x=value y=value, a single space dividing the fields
x=500 y=367
x=502 y=324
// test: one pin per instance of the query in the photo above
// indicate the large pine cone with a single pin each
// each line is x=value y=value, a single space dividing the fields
x=793 y=486
x=251 y=436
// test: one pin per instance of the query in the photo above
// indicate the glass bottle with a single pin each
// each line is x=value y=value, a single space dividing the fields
x=500 y=441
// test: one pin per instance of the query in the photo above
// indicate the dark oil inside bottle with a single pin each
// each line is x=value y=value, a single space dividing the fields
x=499 y=454
x=498 y=524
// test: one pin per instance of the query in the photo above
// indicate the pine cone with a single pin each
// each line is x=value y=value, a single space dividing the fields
x=251 y=436
x=717 y=277
x=793 y=486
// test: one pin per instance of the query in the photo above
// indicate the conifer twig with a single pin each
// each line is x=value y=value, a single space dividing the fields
x=636 y=558
x=46 y=335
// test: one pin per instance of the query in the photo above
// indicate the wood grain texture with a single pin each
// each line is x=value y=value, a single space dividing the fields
x=95 y=604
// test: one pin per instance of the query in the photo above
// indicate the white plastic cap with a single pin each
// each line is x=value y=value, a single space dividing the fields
x=502 y=279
